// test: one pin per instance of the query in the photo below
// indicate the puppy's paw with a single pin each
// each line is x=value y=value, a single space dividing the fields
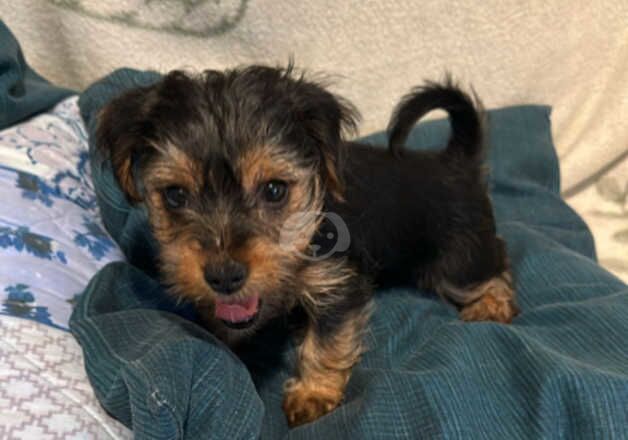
x=490 y=308
x=497 y=303
x=304 y=403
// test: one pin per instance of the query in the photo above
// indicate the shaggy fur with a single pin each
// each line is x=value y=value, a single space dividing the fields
x=227 y=162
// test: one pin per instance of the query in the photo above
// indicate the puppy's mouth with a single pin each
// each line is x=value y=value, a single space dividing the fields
x=238 y=313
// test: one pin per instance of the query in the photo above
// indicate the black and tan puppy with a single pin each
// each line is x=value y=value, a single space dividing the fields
x=242 y=171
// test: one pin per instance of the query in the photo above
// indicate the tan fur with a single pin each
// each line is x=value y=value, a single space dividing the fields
x=181 y=268
x=335 y=185
x=268 y=263
x=183 y=259
x=495 y=301
x=174 y=168
x=125 y=177
x=324 y=368
x=263 y=163
x=321 y=280
x=120 y=159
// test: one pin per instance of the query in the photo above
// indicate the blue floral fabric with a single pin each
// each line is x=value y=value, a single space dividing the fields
x=51 y=238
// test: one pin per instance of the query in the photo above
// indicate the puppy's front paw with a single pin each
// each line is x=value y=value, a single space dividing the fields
x=304 y=403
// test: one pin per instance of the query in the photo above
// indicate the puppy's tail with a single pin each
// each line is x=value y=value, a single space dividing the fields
x=464 y=112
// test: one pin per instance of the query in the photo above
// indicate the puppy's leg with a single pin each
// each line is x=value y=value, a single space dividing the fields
x=324 y=368
x=332 y=345
x=480 y=283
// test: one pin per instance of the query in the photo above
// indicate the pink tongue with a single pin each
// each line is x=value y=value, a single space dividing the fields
x=237 y=311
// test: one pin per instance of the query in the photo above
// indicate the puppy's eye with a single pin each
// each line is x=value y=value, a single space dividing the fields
x=274 y=191
x=175 y=197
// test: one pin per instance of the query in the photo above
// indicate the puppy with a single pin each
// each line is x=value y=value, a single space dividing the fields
x=244 y=172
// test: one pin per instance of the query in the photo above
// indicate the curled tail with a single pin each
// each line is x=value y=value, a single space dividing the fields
x=464 y=116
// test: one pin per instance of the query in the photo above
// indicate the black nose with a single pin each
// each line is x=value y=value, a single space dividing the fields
x=226 y=278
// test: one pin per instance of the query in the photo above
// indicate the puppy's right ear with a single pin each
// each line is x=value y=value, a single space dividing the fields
x=120 y=137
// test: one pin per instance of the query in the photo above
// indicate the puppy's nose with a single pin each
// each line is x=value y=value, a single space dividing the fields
x=226 y=278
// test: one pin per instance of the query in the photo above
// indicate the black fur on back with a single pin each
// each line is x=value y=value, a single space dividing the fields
x=423 y=215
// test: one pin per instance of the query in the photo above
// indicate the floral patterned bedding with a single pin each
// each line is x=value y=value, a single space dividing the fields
x=51 y=240
x=51 y=243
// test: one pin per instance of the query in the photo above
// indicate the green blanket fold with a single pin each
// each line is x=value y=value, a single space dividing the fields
x=23 y=93
x=559 y=371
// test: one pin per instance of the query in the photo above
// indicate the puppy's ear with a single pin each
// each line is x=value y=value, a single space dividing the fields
x=131 y=126
x=328 y=119
x=119 y=136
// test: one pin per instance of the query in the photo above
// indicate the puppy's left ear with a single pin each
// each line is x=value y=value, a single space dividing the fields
x=329 y=119
x=118 y=137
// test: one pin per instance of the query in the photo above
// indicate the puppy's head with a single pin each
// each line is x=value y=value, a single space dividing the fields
x=222 y=161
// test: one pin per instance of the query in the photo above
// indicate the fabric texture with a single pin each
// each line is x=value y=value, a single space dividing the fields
x=604 y=206
x=559 y=371
x=51 y=238
x=45 y=393
x=22 y=91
